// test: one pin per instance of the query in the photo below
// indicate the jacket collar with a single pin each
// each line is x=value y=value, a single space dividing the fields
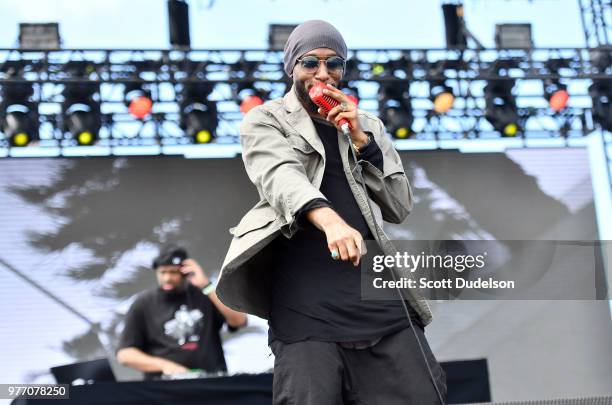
x=300 y=121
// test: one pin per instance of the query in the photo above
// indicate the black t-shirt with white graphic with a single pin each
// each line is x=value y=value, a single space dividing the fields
x=182 y=327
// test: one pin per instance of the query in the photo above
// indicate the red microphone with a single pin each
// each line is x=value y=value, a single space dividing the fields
x=326 y=103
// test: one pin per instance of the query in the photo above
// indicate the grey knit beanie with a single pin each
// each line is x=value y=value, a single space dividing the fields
x=311 y=35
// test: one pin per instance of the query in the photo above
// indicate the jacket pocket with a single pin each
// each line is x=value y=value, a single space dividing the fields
x=254 y=220
x=305 y=154
x=299 y=143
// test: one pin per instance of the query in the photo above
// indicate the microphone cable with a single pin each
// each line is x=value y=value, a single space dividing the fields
x=358 y=169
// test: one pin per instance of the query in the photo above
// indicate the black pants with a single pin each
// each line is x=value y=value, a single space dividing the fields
x=390 y=372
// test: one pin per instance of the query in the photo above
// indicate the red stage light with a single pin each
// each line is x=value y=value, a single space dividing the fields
x=353 y=99
x=140 y=107
x=558 y=100
x=249 y=103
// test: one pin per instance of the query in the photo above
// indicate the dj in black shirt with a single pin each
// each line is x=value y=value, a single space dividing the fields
x=183 y=328
x=175 y=327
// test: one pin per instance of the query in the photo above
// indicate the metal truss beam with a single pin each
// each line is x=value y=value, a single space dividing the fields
x=466 y=71
x=596 y=18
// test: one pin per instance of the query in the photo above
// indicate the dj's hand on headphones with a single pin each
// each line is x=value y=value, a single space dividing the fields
x=194 y=273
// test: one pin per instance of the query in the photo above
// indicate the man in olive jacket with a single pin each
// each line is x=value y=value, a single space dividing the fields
x=293 y=256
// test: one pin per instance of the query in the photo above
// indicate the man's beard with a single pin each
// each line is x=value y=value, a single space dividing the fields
x=174 y=293
x=304 y=98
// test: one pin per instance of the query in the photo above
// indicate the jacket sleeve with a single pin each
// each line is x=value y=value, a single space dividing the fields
x=274 y=168
x=372 y=152
x=389 y=188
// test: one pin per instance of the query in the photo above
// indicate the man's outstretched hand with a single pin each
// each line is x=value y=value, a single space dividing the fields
x=341 y=238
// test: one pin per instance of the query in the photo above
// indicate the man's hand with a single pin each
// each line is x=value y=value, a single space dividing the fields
x=170 y=367
x=198 y=278
x=347 y=110
x=194 y=273
x=341 y=238
x=136 y=358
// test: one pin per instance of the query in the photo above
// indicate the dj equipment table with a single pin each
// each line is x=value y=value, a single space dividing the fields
x=253 y=389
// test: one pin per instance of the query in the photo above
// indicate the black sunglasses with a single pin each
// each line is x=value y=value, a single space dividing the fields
x=311 y=63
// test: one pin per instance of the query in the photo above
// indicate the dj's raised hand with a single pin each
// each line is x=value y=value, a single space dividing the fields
x=194 y=273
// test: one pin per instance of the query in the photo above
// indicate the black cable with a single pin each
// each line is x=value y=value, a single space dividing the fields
x=358 y=169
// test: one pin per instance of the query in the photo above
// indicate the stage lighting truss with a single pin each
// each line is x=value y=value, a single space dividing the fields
x=138 y=98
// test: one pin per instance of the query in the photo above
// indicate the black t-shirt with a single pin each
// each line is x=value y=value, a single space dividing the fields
x=181 y=327
x=315 y=297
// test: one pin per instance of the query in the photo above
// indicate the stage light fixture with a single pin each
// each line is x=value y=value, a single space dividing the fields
x=178 y=19
x=500 y=107
x=442 y=97
x=278 y=35
x=352 y=93
x=250 y=102
x=39 y=36
x=513 y=36
x=378 y=69
x=19 y=115
x=245 y=92
x=198 y=117
x=453 y=24
x=556 y=94
x=249 y=97
x=353 y=99
x=138 y=100
x=81 y=112
x=601 y=96
x=395 y=109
